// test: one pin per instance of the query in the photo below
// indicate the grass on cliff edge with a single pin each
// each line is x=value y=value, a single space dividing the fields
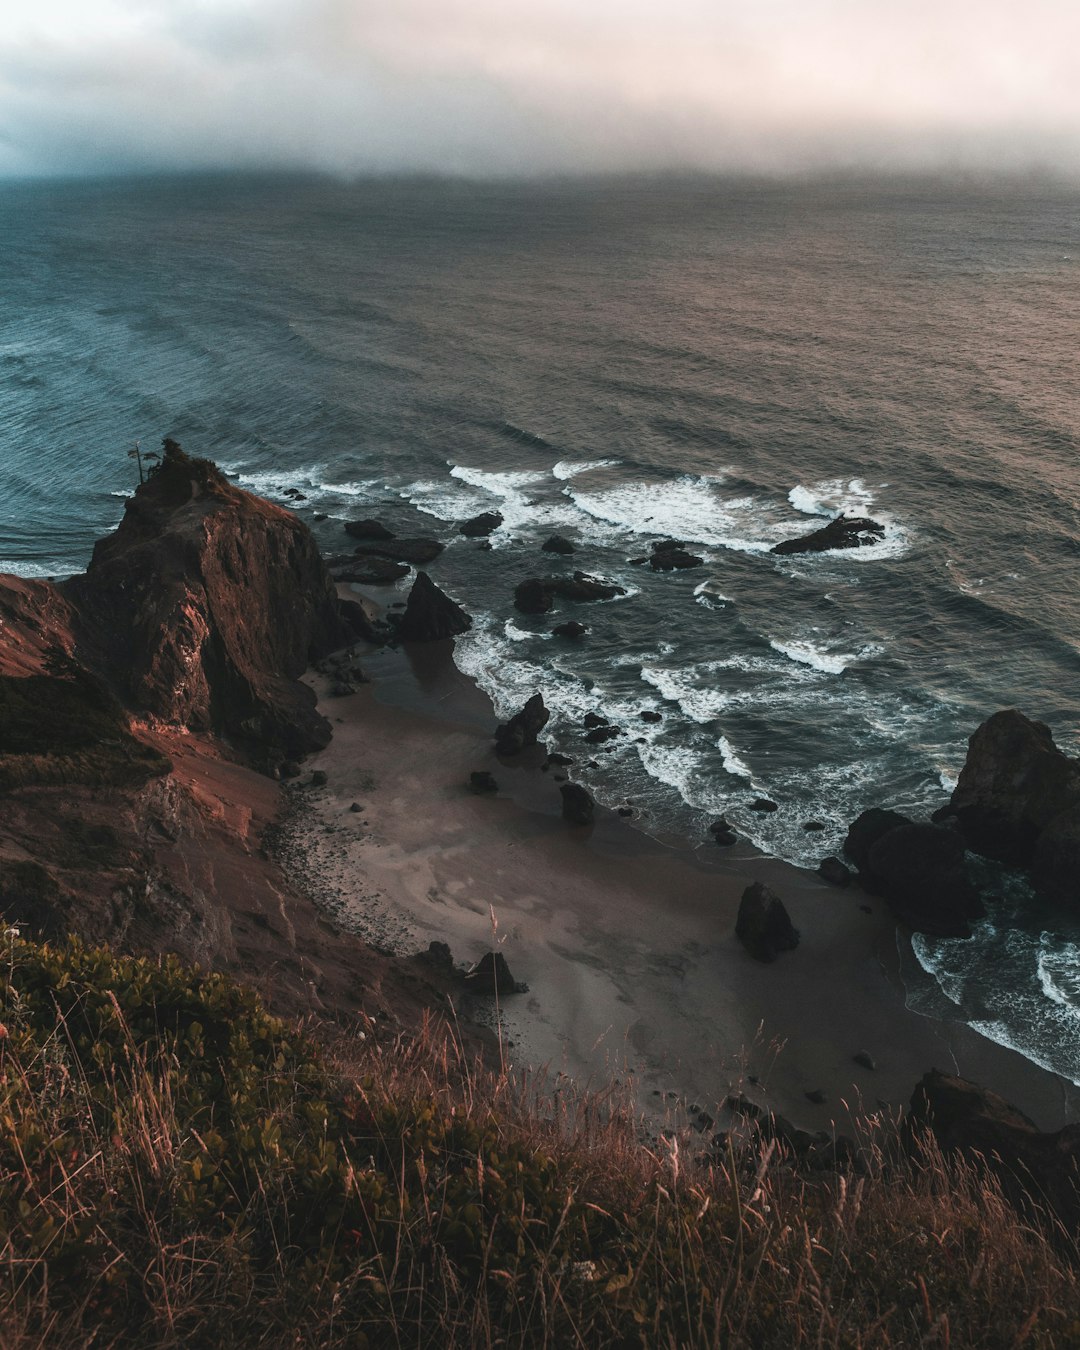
x=177 y=1167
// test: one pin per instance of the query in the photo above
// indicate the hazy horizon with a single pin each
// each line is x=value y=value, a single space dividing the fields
x=539 y=88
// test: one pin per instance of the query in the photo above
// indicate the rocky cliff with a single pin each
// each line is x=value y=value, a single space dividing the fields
x=206 y=605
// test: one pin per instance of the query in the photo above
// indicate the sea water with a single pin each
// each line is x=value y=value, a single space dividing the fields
x=727 y=363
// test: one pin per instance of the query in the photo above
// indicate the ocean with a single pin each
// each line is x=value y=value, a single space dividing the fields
x=728 y=363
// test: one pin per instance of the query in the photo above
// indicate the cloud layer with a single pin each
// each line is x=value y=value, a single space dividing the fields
x=539 y=86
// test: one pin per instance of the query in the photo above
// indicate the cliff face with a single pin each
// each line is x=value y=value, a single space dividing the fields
x=204 y=608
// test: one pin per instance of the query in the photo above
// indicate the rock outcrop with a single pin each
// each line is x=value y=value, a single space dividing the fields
x=482 y=525
x=1016 y=783
x=417 y=552
x=537 y=594
x=368 y=529
x=523 y=728
x=842 y=532
x=763 y=925
x=430 y=615
x=918 y=868
x=557 y=544
x=671 y=555
x=205 y=607
x=1034 y=1167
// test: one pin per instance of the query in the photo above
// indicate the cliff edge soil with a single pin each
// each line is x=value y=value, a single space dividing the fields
x=146 y=709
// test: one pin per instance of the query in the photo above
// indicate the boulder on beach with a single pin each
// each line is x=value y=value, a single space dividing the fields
x=723 y=833
x=921 y=870
x=864 y=832
x=842 y=532
x=491 y=975
x=415 y=551
x=577 y=805
x=482 y=782
x=368 y=529
x=834 y=871
x=430 y=615
x=763 y=925
x=523 y=728
x=557 y=544
x=482 y=525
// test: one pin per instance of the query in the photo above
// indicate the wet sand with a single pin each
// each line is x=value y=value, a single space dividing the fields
x=626 y=943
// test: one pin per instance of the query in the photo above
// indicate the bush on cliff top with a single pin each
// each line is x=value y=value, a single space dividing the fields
x=179 y=1167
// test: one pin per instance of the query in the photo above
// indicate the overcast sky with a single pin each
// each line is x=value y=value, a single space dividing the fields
x=525 y=86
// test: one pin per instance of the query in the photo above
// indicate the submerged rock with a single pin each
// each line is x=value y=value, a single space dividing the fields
x=843 y=532
x=523 y=728
x=763 y=925
x=430 y=615
x=670 y=555
x=368 y=529
x=415 y=551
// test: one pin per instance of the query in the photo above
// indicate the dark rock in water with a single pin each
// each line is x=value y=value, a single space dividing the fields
x=599 y=735
x=833 y=870
x=577 y=806
x=557 y=544
x=319 y=517
x=533 y=597
x=1037 y=1170
x=523 y=728
x=484 y=546
x=921 y=868
x=637 y=562
x=537 y=594
x=843 y=532
x=626 y=810
x=764 y=805
x=573 y=629
x=481 y=525
x=764 y=926
x=559 y=759
x=723 y=833
x=650 y=715
x=1014 y=782
x=371 y=571
x=669 y=555
x=813 y=826
x=430 y=615
x=866 y=829
x=864 y=1059
x=491 y=975
x=482 y=782
x=319 y=778
x=368 y=529
x=592 y=719
x=415 y=551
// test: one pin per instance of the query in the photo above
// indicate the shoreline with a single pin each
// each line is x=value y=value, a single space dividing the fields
x=626 y=942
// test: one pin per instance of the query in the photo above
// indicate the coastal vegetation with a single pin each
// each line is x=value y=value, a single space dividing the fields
x=177 y=1166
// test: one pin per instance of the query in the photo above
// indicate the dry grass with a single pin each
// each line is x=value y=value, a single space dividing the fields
x=177 y=1168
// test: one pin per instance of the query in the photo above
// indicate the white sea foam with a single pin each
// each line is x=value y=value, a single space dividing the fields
x=36 y=571
x=572 y=468
x=818 y=658
x=516 y=634
x=732 y=763
x=1058 y=966
x=690 y=508
x=948 y=780
x=700 y=705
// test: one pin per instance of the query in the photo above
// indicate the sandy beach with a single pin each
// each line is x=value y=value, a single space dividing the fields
x=627 y=944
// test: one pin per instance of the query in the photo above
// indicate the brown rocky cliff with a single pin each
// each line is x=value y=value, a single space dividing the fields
x=206 y=605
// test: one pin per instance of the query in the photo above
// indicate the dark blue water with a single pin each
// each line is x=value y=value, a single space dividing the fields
x=726 y=363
